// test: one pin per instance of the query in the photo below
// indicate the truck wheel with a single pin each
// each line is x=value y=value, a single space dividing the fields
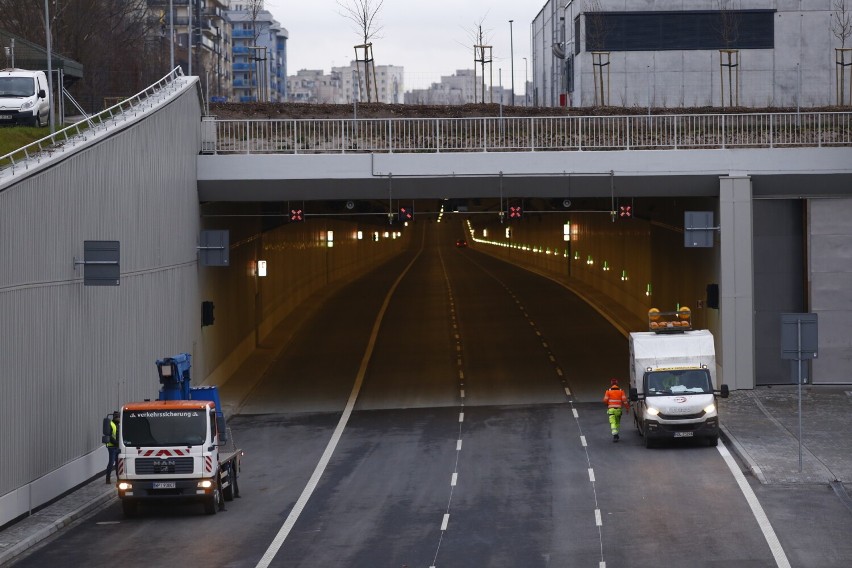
x=129 y=507
x=236 y=484
x=229 y=490
x=649 y=443
x=214 y=503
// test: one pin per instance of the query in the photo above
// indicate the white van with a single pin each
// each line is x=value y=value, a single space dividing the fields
x=24 y=97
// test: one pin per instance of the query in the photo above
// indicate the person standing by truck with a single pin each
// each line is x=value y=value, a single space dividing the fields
x=112 y=445
x=616 y=402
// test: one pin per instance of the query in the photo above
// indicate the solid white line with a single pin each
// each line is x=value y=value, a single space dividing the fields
x=458 y=445
x=756 y=509
x=445 y=521
x=598 y=520
x=574 y=410
x=591 y=475
x=454 y=480
x=285 y=529
x=583 y=441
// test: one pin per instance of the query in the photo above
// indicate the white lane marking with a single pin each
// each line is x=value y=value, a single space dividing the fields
x=445 y=521
x=297 y=509
x=591 y=475
x=454 y=480
x=544 y=344
x=458 y=445
x=461 y=375
x=559 y=371
x=462 y=393
x=583 y=441
x=567 y=391
x=598 y=520
x=756 y=509
x=552 y=359
x=461 y=416
x=574 y=410
x=600 y=565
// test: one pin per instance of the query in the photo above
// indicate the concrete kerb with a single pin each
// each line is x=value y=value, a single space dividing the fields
x=731 y=441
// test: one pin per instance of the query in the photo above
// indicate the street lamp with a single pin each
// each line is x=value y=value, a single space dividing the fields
x=526 y=85
x=512 y=60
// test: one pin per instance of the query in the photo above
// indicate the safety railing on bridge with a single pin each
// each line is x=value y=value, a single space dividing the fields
x=35 y=152
x=518 y=134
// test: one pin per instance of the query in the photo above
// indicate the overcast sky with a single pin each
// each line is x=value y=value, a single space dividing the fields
x=429 y=38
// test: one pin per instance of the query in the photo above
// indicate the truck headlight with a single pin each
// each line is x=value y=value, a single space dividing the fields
x=205 y=484
x=124 y=486
x=709 y=408
x=652 y=411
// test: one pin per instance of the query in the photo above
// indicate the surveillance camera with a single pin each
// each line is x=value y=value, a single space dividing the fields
x=566 y=203
x=350 y=205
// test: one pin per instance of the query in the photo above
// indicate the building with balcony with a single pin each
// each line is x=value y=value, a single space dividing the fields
x=211 y=40
x=313 y=86
x=259 y=55
x=389 y=83
x=752 y=53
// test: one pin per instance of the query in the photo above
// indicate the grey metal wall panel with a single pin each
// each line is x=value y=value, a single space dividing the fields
x=779 y=277
x=71 y=353
x=830 y=272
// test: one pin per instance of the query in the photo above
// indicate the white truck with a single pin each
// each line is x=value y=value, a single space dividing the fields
x=24 y=97
x=672 y=380
x=176 y=447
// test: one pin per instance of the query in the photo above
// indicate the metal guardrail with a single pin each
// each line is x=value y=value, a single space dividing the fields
x=531 y=134
x=35 y=152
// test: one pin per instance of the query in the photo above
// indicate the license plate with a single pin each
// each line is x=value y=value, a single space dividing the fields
x=164 y=485
x=683 y=434
x=5 y=117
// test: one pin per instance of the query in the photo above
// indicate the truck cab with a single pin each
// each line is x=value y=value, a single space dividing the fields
x=672 y=378
x=174 y=447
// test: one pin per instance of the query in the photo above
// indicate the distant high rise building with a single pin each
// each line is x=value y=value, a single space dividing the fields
x=259 y=55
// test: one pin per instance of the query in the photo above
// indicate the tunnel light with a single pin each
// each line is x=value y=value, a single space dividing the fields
x=576 y=255
x=508 y=233
x=375 y=236
x=566 y=231
x=648 y=290
x=261 y=268
x=484 y=233
x=624 y=276
x=605 y=266
x=330 y=239
x=589 y=260
x=359 y=235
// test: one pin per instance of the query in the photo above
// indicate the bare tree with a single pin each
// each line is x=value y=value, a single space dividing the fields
x=253 y=9
x=481 y=55
x=597 y=30
x=117 y=60
x=729 y=32
x=841 y=27
x=363 y=14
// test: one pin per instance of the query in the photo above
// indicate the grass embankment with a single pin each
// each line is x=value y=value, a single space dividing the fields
x=14 y=137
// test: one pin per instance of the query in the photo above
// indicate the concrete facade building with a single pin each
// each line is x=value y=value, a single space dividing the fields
x=313 y=86
x=753 y=53
x=458 y=89
x=390 y=83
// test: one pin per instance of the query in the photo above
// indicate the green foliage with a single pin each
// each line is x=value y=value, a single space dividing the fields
x=14 y=137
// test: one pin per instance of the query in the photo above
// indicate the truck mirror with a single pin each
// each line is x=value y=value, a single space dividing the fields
x=634 y=394
x=724 y=392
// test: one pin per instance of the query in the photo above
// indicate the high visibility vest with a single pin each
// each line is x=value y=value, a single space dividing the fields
x=615 y=398
x=114 y=430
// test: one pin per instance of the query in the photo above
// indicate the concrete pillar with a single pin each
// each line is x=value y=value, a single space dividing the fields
x=736 y=289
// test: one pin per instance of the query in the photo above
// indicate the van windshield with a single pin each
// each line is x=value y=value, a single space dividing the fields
x=677 y=381
x=17 y=86
x=143 y=428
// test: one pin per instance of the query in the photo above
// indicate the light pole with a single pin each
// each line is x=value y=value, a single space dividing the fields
x=526 y=84
x=512 y=60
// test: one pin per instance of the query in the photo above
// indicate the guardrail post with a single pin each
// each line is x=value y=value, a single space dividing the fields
x=484 y=134
x=390 y=136
x=438 y=135
x=248 y=142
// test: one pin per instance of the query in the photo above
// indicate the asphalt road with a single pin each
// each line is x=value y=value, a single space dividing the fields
x=464 y=431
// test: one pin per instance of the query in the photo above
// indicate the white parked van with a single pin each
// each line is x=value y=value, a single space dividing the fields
x=24 y=97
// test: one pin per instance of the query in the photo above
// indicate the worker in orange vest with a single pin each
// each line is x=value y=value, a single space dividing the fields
x=616 y=401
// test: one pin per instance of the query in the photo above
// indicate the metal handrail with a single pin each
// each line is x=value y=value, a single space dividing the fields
x=531 y=134
x=33 y=152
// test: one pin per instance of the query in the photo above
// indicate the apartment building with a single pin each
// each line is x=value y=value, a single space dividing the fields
x=463 y=87
x=314 y=86
x=211 y=40
x=389 y=85
x=259 y=53
x=719 y=53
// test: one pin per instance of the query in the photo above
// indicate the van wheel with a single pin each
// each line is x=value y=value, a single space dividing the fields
x=712 y=441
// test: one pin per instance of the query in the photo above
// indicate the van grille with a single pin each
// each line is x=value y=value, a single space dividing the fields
x=153 y=466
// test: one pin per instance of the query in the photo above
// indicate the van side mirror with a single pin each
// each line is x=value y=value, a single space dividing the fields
x=41 y=94
x=724 y=392
x=633 y=394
